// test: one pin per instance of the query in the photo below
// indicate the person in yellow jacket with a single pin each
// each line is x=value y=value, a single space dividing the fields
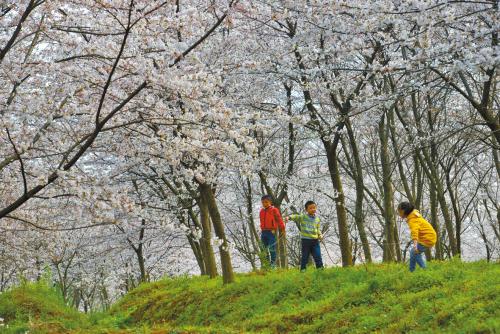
x=423 y=234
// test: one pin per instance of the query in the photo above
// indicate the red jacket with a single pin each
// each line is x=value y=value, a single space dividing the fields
x=270 y=219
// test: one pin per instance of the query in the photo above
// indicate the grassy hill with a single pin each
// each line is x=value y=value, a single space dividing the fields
x=449 y=297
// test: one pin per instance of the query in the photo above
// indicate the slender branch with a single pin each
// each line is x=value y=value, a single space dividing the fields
x=52 y=177
x=31 y=6
x=25 y=221
x=117 y=60
x=202 y=38
x=18 y=156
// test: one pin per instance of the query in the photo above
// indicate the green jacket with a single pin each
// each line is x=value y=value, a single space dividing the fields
x=309 y=226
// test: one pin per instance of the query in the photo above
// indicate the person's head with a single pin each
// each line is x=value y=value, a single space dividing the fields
x=311 y=208
x=267 y=201
x=405 y=208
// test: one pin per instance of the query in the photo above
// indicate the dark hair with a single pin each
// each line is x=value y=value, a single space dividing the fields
x=269 y=197
x=309 y=203
x=406 y=207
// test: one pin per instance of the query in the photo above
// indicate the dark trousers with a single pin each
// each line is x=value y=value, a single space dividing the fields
x=311 y=247
x=269 y=242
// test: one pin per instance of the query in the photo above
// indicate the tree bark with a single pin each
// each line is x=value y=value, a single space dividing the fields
x=358 y=179
x=389 y=218
x=206 y=245
x=251 y=224
x=207 y=193
x=343 y=225
x=434 y=220
x=140 y=252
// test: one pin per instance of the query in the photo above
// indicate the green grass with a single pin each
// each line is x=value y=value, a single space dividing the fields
x=449 y=297
x=32 y=305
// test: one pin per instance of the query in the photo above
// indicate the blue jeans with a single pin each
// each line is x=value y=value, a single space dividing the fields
x=269 y=241
x=417 y=257
x=311 y=246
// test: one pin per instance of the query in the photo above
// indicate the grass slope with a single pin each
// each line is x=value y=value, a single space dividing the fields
x=449 y=297
x=36 y=307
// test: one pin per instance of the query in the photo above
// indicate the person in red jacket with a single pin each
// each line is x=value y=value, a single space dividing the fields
x=270 y=222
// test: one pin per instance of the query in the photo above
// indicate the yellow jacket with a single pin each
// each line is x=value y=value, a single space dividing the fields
x=421 y=230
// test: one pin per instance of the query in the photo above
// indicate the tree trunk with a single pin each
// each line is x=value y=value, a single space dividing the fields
x=419 y=180
x=496 y=227
x=142 y=266
x=399 y=159
x=444 y=206
x=139 y=251
x=206 y=245
x=207 y=193
x=251 y=223
x=389 y=218
x=484 y=237
x=333 y=166
x=434 y=220
x=358 y=178
x=194 y=243
x=198 y=254
x=456 y=212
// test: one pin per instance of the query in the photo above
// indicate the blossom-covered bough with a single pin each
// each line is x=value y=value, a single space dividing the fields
x=137 y=136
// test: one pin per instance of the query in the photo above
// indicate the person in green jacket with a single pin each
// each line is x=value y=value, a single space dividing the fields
x=310 y=234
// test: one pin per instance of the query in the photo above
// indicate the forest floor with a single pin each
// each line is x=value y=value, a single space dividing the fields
x=448 y=297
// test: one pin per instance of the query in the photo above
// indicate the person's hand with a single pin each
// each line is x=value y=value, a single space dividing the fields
x=415 y=247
